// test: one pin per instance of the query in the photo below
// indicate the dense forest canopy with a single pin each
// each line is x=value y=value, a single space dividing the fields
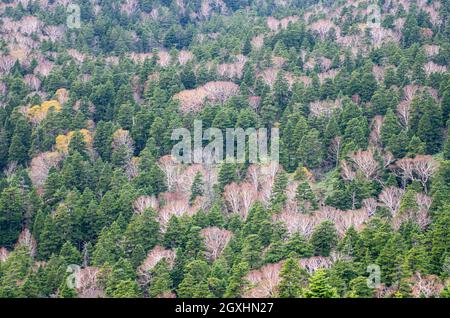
x=357 y=206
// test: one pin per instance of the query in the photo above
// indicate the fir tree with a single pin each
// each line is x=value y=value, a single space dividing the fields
x=291 y=277
x=319 y=286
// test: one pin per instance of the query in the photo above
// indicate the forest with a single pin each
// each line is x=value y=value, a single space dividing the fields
x=94 y=205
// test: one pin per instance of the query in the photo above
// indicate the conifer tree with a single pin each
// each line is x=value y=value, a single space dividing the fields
x=324 y=238
x=291 y=277
x=196 y=188
x=12 y=212
x=305 y=197
x=319 y=286
x=161 y=281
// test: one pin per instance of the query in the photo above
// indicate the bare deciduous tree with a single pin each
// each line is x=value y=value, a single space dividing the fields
x=216 y=240
x=264 y=281
x=391 y=197
x=145 y=202
x=27 y=240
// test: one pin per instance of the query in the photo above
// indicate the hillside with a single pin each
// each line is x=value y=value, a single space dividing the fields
x=356 y=205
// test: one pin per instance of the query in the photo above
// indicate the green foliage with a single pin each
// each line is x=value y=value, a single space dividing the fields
x=82 y=201
x=324 y=238
x=291 y=279
x=319 y=286
x=194 y=284
x=12 y=211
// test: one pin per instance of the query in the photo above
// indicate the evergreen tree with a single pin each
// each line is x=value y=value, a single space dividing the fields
x=237 y=281
x=196 y=188
x=310 y=149
x=305 y=198
x=20 y=142
x=359 y=289
x=291 y=277
x=161 y=282
x=194 y=284
x=227 y=175
x=324 y=238
x=319 y=286
x=12 y=212
x=106 y=249
x=278 y=197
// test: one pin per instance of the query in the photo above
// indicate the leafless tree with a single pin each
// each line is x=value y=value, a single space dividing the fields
x=171 y=169
x=314 y=263
x=40 y=167
x=325 y=107
x=366 y=163
x=154 y=256
x=420 y=168
x=216 y=240
x=4 y=254
x=264 y=282
x=232 y=196
x=370 y=205
x=426 y=286
x=391 y=197
x=27 y=240
x=145 y=202
x=425 y=167
x=87 y=283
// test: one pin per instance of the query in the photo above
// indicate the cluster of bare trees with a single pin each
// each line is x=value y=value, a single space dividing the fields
x=154 y=257
x=145 y=202
x=391 y=198
x=6 y=63
x=322 y=27
x=258 y=187
x=215 y=92
x=269 y=75
x=44 y=67
x=420 y=168
x=314 y=263
x=381 y=35
x=129 y=6
x=324 y=107
x=364 y=163
x=216 y=240
x=275 y=24
x=305 y=223
x=262 y=177
x=26 y=240
x=421 y=287
x=40 y=167
x=32 y=81
x=432 y=67
x=77 y=55
x=176 y=205
x=240 y=198
x=409 y=93
x=426 y=286
x=306 y=80
x=171 y=169
x=258 y=42
x=431 y=49
x=232 y=70
x=185 y=56
x=3 y=88
x=87 y=284
x=264 y=281
x=329 y=74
